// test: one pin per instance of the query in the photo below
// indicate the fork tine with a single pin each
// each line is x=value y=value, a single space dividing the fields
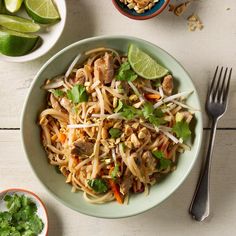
x=225 y=96
x=216 y=90
x=210 y=90
x=222 y=90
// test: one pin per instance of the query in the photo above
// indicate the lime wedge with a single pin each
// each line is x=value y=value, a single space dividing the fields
x=13 y=5
x=18 y=24
x=42 y=11
x=13 y=43
x=144 y=65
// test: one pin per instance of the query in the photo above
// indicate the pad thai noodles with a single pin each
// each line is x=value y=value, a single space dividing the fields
x=111 y=132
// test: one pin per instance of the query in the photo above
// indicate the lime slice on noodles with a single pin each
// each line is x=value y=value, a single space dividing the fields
x=42 y=11
x=18 y=24
x=144 y=65
x=13 y=5
x=13 y=43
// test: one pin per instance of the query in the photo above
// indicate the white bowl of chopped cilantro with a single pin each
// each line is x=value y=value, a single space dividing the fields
x=22 y=213
x=55 y=182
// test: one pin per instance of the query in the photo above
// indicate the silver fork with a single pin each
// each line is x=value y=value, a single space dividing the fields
x=216 y=105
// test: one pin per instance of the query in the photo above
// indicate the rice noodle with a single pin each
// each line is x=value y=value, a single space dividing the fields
x=103 y=153
x=81 y=126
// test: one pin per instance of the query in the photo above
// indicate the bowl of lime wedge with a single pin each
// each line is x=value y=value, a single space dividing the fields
x=30 y=28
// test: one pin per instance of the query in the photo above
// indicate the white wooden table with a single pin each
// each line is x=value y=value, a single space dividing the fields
x=199 y=52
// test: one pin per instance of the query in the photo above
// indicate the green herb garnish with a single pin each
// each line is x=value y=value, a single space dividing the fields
x=115 y=133
x=181 y=129
x=119 y=106
x=125 y=73
x=58 y=92
x=115 y=171
x=98 y=185
x=129 y=112
x=156 y=83
x=164 y=163
x=21 y=217
x=77 y=94
x=154 y=116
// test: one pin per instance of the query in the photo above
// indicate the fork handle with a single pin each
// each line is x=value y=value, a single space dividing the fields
x=200 y=205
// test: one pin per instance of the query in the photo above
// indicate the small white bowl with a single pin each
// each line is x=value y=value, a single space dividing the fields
x=49 y=34
x=41 y=209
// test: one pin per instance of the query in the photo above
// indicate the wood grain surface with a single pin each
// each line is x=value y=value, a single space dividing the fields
x=199 y=52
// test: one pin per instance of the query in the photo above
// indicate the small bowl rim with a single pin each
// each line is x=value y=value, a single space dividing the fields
x=30 y=193
x=28 y=57
x=140 y=17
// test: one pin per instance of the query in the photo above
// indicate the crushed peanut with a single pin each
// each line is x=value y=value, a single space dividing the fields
x=180 y=9
x=140 y=6
x=128 y=130
x=194 y=23
x=134 y=140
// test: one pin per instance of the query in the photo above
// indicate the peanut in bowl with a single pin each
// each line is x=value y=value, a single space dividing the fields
x=140 y=9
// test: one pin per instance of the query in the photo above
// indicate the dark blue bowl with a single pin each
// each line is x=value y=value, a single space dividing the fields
x=131 y=13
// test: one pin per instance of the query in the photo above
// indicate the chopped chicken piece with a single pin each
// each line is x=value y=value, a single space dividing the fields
x=103 y=69
x=168 y=85
x=82 y=147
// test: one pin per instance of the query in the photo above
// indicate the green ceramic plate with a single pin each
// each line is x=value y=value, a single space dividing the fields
x=55 y=183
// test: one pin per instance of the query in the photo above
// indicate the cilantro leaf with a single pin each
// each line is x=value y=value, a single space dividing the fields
x=158 y=154
x=181 y=129
x=158 y=113
x=13 y=203
x=57 y=92
x=156 y=83
x=115 y=133
x=125 y=73
x=148 y=109
x=129 y=112
x=119 y=106
x=35 y=224
x=98 y=185
x=163 y=162
x=154 y=116
x=156 y=121
x=115 y=171
x=5 y=219
x=77 y=94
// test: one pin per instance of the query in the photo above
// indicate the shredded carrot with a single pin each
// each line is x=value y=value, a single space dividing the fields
x=62 y=137
x=115 y=191
x=152 y=96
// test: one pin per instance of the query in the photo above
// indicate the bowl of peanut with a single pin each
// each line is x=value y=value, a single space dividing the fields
x=140 y=9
